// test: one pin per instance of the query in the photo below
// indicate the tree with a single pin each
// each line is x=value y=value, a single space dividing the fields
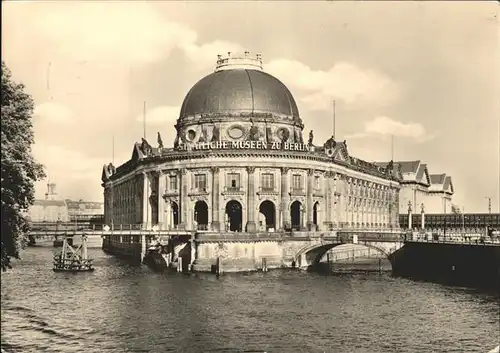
x=19 y=170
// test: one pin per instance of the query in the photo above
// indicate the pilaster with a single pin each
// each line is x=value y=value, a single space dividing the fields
x=146 y=207
x=285 y=214
x=309 y=208
x=215 y=225
x=161 y=203
x=251 y=225
x=329 y=199
x=184 y=200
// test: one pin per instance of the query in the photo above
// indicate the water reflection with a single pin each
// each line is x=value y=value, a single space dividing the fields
x=122 y=308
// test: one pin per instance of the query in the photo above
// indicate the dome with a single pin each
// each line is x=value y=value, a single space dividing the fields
x=233 y=90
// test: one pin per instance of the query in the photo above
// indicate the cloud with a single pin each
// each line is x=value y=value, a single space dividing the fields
x=384 y=126
x=54 y=113
x=344 y=81
x=123 y=34
x=111 y=31
x=160 y=115
x=76 y=174
x=205 y=55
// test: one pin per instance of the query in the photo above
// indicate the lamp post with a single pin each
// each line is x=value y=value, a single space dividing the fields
x=489 y=203
x=463 y=222
x=422 y=217
x=409 y=215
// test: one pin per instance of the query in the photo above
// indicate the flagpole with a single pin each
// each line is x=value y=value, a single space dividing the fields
x=144 y=120
x=392 y=148
x=113 y=151
x=334 y=119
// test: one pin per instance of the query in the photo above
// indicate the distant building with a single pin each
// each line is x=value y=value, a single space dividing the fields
x=84 y=210
x=419 y=187
x=51 y=209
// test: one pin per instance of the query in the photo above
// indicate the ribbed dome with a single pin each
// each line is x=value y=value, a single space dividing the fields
x=239 y=91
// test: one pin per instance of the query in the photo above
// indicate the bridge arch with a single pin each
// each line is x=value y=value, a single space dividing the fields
x=312 y=254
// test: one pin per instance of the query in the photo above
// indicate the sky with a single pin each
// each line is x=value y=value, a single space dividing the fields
x=427 y=73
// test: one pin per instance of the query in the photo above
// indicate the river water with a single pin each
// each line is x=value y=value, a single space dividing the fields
x=122 y=308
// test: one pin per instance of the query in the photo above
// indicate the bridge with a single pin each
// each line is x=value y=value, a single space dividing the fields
x=202 y=248
x=242 y=251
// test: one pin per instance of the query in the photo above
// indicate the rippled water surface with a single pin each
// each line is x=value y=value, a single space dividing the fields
x=121 y=308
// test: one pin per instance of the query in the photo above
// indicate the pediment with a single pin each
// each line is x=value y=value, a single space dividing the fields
x=340 y=153
x=423 y=176
x=104 y=176
x=137 y=153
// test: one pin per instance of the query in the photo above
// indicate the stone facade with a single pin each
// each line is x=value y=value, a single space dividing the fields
x=419 y=187
x=266 y=194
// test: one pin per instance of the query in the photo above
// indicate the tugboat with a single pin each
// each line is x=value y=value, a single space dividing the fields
x=71 y=259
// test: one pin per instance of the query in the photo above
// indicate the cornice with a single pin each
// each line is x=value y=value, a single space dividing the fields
x=178 y=156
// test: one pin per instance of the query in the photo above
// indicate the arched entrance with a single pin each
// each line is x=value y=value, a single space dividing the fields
x=234 y=215
x=268 y=209
x=295 y=215
x=315 y=213
x=174 y=215
x=201 y=214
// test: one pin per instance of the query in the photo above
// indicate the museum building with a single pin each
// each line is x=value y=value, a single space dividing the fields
x=239 y=163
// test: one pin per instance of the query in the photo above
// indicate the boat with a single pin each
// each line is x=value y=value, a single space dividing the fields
x=156 y=258
x=72 y=259
x=59 y=242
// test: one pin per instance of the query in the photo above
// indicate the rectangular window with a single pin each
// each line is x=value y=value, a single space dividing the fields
x=172 y=182
x=267 y=181
x=200 y=182
x=233 y=180
x=297 y=182
x=317 y=185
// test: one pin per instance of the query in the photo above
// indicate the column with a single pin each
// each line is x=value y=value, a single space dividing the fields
x=146 y=207
x=395 y=219
x=348 y=202
x=215 y=226
x=329 y=197
x=161 y=202
x=285 y=214
x=183 y=200
x=251 y=226
x=167 y=218
x=337 y=201
x=309 y=207
x=362 y=203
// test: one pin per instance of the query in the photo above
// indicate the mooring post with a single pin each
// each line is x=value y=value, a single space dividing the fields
x=217 y=267
x=179 y=264
x=143 y=245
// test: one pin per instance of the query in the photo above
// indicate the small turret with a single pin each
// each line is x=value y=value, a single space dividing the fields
x=51 y=191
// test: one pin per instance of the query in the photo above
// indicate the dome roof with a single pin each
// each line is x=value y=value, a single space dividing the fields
x=234 y=91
